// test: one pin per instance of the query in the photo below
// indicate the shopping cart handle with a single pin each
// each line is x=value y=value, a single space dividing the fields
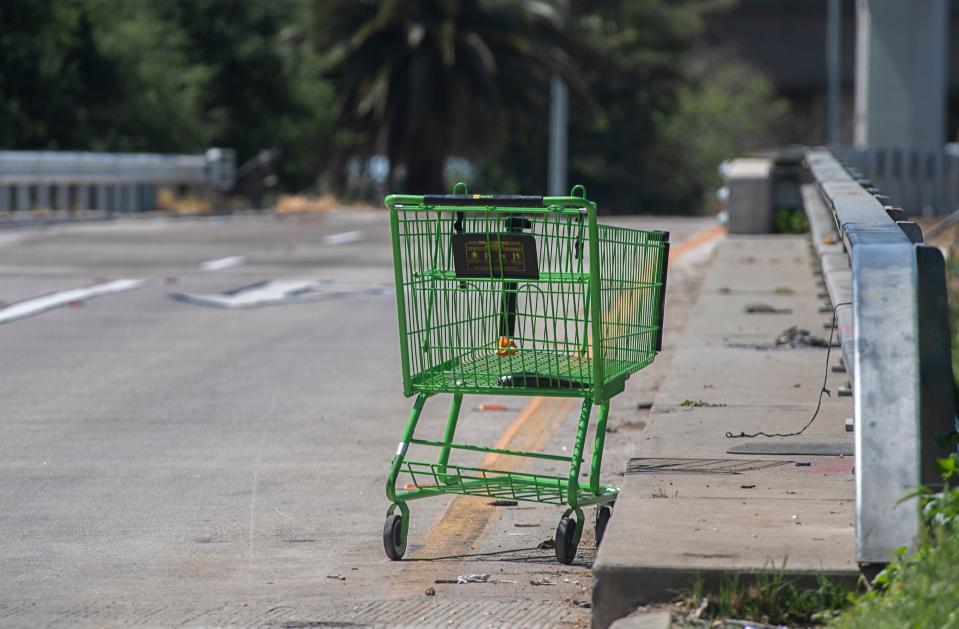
x=483 y=200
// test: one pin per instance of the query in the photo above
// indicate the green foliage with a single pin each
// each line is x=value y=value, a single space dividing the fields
x=790 y=221
x=919 y=589
x=724 y=110
x=165 y=75
x=426 y=79
x=772 y=597
x=332 y=83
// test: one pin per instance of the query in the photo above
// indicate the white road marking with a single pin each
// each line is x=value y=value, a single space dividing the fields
x=276 y=292
x=343 y=238
x=36 y=305
x=222 y=263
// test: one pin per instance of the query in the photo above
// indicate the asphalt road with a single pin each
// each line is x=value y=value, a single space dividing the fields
x=167 y=463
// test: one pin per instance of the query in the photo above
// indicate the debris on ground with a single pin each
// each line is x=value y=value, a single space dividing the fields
x=541 y=581
x=338 y=577
x=547 y=544
x=473 y=578
x=797 y=337
x=792 y=337
x=502 y=503
x=525 y=525
x=430 y=591
x=645 y=404
x=584 y=603
x=747 y=486
x=803 y=464
x=765 y=309
x=700 y=404
x=491 y=407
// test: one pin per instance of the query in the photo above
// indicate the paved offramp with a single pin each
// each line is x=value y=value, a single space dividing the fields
x=689 y=509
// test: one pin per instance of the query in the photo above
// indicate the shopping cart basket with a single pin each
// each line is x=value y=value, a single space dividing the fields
x=518 y=295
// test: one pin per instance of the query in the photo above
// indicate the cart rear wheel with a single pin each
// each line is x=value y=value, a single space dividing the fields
x=566 y=541
x=393 y=540
x=603 y=513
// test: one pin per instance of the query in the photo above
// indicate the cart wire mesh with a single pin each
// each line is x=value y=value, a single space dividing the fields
x=494 y=332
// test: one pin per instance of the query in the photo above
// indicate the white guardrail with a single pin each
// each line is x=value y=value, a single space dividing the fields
x=894 y=330
x=109 y=182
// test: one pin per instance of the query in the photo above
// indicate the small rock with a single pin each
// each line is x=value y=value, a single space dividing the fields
x=547 y=544
x=430 y=591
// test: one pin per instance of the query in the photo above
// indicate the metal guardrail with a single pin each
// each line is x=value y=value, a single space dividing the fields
x=895 y=341
x=111 y=182
x=921 y=181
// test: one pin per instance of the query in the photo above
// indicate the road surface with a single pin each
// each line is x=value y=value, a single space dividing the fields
x=168 y=462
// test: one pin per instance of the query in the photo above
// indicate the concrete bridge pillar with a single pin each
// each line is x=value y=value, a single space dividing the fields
x=901 y=54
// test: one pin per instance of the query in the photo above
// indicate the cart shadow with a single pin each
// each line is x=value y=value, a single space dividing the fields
x=532 y=555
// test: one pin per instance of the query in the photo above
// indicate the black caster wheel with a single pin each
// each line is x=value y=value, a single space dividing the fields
x=603 y=513
x=566 y=541
x=393 y=540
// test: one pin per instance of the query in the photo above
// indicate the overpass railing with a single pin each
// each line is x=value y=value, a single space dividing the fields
x=109 y=182
x=923 y=181
x=889 y=292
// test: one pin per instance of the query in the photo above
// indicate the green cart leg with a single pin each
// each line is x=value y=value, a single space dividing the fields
x=603 y=511
x=448 y=437
x=397 y=527
x=598 y=443
x=570 y=530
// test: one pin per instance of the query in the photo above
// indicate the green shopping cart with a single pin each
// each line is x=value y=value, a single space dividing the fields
x=517 y=295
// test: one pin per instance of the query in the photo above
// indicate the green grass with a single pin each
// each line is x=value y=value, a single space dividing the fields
x=923 y=592
x=774 y=598
x=919 y=589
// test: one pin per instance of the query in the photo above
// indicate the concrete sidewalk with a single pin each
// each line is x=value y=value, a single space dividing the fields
x=690 y=509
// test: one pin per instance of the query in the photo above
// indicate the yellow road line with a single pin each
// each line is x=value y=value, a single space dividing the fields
x=465 y=519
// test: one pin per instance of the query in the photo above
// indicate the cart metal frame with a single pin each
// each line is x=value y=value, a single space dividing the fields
x=518 y=295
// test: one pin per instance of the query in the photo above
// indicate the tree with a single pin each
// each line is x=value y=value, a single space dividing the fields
x=421 y=80
x=725 y=109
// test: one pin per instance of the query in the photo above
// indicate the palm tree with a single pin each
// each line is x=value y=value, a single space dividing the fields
x=421 y=80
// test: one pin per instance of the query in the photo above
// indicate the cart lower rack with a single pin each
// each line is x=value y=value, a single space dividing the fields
x=517 y=295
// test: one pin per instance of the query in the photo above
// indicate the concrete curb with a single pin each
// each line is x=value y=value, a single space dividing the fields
x=653 y=620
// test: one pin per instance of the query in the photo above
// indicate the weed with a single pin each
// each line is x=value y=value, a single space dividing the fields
x=771 y=597
x=919 y=589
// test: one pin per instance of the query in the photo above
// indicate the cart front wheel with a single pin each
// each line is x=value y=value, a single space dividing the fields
x=566 y=541
x=393 y=540
x=603 y=513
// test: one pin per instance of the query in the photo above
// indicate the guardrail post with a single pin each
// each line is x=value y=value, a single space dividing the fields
x=43 y=196
x=23 y=198
x=83 y=197
x=133 y=198
x=937 y=410
x=61 y=197
x=102 y=201
x=887 y=390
